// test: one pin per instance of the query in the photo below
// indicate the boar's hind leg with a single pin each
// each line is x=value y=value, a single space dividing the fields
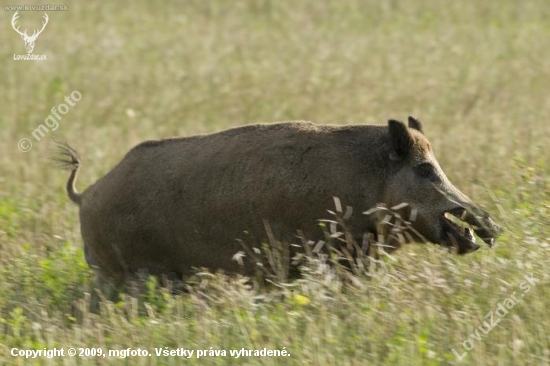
x=103 y=287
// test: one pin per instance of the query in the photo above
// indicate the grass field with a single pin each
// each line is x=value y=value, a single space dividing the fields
x=476 y=73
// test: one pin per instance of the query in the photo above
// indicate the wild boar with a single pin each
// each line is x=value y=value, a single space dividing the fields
x=174 y=204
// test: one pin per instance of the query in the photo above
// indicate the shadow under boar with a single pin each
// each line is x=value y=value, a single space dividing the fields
x=175 y=204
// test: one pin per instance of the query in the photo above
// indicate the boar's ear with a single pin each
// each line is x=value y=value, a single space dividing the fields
x=416 y=124
x=401 y=139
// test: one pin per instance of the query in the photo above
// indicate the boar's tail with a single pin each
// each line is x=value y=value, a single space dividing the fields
x=67 y=158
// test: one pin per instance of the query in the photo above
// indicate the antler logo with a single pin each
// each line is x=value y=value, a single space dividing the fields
x=29 y=40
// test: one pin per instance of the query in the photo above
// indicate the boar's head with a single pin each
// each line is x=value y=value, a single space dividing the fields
x=416 y=178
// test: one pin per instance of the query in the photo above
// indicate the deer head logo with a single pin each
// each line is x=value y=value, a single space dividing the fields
x=29 y=40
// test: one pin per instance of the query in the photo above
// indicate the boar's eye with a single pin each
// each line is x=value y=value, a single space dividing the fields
x=427 y=170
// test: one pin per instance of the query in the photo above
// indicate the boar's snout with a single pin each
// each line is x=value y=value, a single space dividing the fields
x=484 y=226
x=461 y=223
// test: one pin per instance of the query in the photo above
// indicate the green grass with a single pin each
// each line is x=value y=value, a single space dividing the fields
x=476 y=73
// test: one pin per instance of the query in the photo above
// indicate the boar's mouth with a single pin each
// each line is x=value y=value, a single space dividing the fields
x=458 y=231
